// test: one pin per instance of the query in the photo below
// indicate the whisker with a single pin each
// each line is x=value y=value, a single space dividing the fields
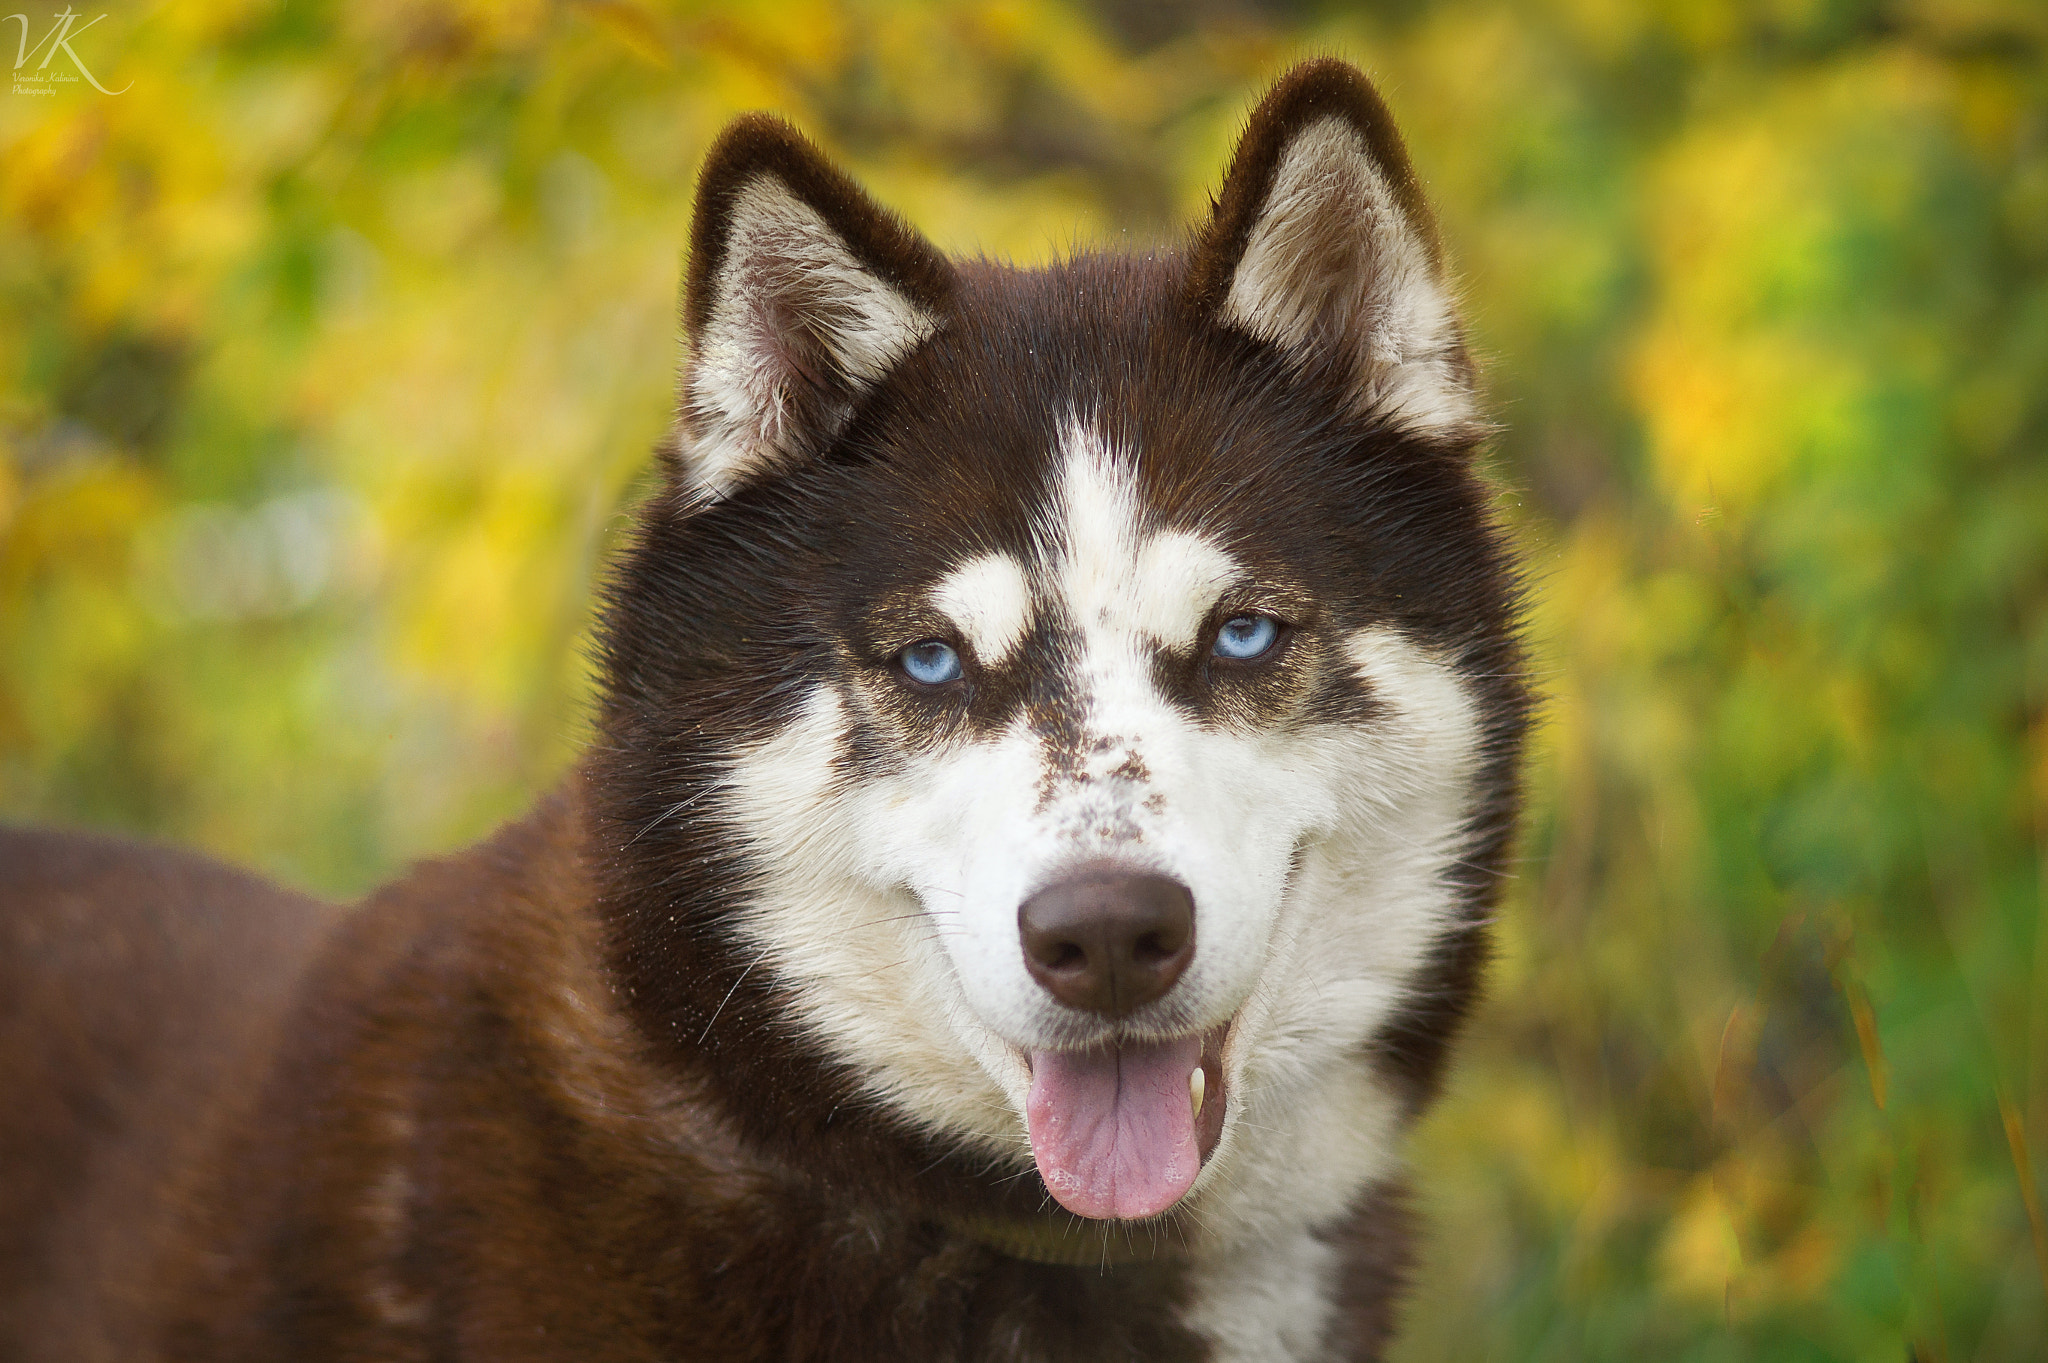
x=759 y=956
x=669 y=813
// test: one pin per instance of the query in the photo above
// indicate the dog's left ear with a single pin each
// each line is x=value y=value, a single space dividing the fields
x=1320 y=242
x=803 y=293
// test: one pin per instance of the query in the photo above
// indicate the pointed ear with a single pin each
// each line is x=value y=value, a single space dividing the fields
x=1321 y=243
x=803 y=293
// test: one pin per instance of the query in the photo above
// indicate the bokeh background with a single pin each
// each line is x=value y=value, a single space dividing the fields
x=332 y=348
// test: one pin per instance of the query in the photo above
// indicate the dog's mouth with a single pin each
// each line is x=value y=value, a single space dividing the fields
x=1122 y=1131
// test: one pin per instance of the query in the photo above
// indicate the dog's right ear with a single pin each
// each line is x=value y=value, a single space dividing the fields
x=803 y=293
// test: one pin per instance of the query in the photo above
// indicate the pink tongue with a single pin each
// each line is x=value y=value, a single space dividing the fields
x=1113 y=1130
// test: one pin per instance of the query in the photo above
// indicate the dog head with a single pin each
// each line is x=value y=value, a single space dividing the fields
x=1068 y=717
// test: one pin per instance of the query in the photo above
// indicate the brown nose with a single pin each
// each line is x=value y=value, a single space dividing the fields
x=1108 y=942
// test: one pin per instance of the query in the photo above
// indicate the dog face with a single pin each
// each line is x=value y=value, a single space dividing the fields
x=1076 y=707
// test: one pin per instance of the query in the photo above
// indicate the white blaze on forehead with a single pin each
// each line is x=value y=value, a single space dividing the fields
x=989 y=599
x=1099 y=526
x=1115 y=575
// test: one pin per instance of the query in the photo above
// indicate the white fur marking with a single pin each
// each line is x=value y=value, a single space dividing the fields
x=1117 y=579
x=1175 y=585
x=1440 y=713
x=1317 y=854
x=989 y=599
x=870 y=973
x=1266 y=1303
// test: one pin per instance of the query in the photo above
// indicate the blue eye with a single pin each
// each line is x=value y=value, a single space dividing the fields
x=930 y=663
x=1246 y=636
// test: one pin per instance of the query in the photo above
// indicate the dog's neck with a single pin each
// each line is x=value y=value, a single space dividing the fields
x=1056 y=1237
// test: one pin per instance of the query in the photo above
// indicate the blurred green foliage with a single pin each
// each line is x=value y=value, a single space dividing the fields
x=332 y=347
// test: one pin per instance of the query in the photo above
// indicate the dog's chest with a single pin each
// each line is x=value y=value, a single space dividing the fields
x=1276 y=1305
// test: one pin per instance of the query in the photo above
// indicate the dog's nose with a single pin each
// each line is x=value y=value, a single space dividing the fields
x=1108 y=942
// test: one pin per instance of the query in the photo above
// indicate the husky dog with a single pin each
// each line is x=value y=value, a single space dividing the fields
x=1057 y=757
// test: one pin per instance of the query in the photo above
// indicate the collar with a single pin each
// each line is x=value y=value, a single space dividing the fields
x=1073 y=1242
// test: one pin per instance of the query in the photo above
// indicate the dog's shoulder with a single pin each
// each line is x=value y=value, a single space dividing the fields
x=141 y=988
x=454 y=1109
x=132 y=978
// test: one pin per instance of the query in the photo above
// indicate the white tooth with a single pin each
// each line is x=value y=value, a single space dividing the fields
x=1198 y=1084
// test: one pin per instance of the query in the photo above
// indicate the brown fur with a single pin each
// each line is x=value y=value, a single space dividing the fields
x=458 y=1152
x=142 y=991
x=533 y=1101
x=756 y=144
